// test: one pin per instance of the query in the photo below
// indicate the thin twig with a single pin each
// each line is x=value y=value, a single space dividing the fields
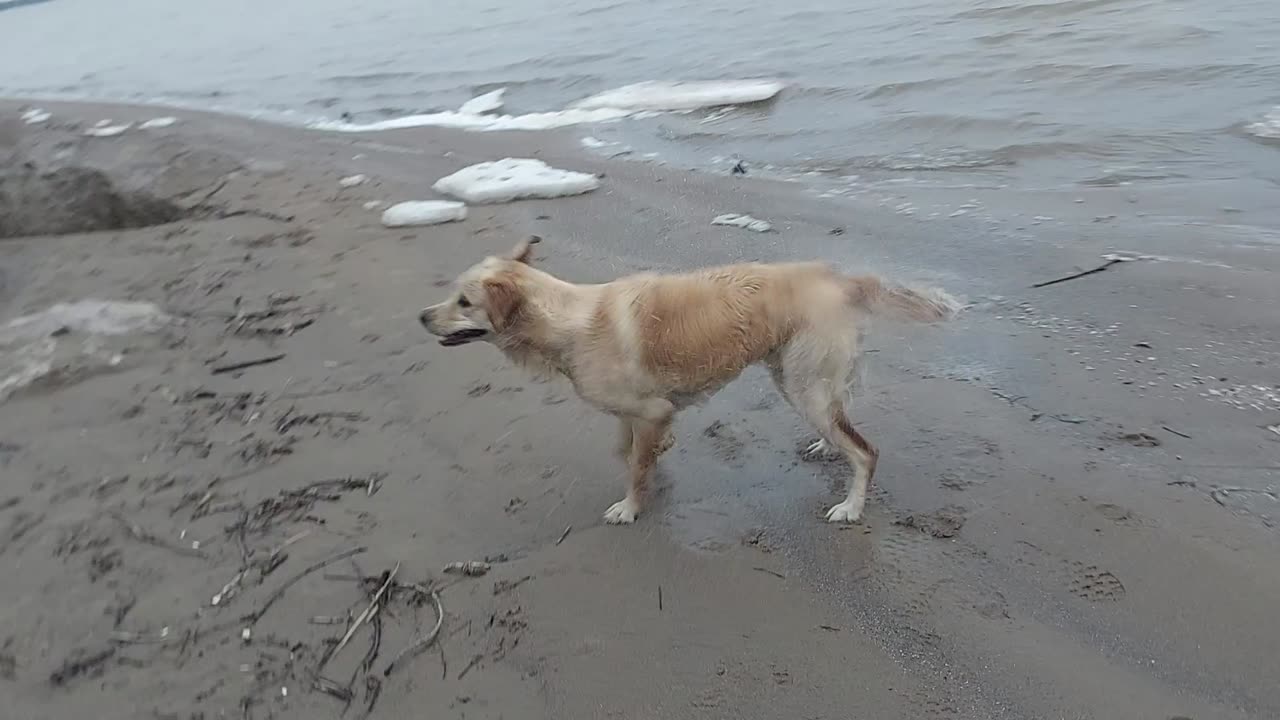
x=771 y=572
x=1098 y=269
x=1175 y=432
x=256 y=615
x=475 y=660
x=220 y=369
x=137 y=533
x=565 y=534
x=367 y=613
x=423 y=642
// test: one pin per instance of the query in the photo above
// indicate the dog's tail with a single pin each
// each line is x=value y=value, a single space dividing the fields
x=877 y=296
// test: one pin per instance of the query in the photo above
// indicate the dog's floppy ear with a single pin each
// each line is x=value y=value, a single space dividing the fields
x=503 y=301
x=523 y=251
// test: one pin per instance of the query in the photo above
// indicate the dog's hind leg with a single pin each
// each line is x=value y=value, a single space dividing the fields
x=815 y=383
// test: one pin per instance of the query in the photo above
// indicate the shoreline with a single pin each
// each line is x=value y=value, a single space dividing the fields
x=1068 y=521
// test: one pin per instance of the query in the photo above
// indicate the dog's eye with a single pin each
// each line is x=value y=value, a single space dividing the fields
x=463 y=302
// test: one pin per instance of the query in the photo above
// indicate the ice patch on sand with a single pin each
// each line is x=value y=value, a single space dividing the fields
x=69 y=334
x=423 y=212
x=351 y=181
x=157 y=123
x=594 y=143
x=36 y=116
x=486 y=103
x=657 y=95
x=104 y=128
x=512 y=179
x=742 y=221
x=1268 y=127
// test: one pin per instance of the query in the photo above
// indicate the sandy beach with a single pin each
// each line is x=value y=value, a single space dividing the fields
x=1074 y=514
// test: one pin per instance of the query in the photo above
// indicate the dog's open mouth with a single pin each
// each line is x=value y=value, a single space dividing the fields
x=462 y=337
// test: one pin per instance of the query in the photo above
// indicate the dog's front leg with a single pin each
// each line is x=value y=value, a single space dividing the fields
x=650 y=437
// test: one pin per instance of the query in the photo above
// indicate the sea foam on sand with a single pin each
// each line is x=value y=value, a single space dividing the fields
x=605 y=107
x=512 y=179
x=423 y=212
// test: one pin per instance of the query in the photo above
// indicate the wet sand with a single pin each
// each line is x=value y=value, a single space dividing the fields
x=1073 y=515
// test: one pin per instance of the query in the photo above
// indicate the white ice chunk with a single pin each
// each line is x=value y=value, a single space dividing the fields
x=423 y=212
x=105 y=130
x=157 y=123
x=35 y=116
x=373 y=205
x=655 y=95
x=742 y=221
x=351 y=181
x=512 y=179
x=481 y=123
x=594 y=143
x=486 y=103
x=1268 y=127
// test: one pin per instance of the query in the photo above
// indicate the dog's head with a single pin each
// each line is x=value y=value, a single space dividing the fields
x=486 y=299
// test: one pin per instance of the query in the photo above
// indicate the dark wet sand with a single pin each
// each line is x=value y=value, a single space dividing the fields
x=1029 y=551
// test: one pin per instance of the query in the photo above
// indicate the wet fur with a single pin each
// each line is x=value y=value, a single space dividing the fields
x=643 y=347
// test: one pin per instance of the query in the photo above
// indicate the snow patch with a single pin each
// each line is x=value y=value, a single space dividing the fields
x=71 y=335
x=742 y=221
x=157 y=123
x=486 y=103
x=351 y=181
x=423 y=212
x=512 y=179
x=104 y=129
x=35 y=116
x=373 y=205
x=656 y=95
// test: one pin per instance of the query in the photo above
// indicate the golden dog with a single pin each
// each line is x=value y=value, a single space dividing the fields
x=643 y=347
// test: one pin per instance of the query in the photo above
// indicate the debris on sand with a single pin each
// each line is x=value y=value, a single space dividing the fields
x=470 y=568
x=351 y=181
x=245 y=364
x=742 y=221
x=514 y=179
x=423 y=212
x=943 y=523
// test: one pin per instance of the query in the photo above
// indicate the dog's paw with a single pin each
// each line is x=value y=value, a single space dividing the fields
x=622 y=512
x=667 y=442
x=845 y=512
x=820 y=450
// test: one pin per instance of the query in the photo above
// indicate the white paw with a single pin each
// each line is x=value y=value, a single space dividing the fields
x=845 y=512
x=820 y=449
x=622 y=512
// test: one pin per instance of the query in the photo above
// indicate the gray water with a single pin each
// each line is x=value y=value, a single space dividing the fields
x=995 y=93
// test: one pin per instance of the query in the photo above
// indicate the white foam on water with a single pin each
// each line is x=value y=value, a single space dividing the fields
x=513 y=179
x=423 y=212
x=36 y=116
x=480 y=123
x=742 y=221
x=29 y=344
x=102 y=130
x=1268 y=127
x=351 y=181
x=594 y=143
x=486 y=103
x=157 y=123
x=638 y=100
x=663 y=95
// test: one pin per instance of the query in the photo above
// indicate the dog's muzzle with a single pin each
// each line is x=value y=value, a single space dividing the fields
x=462 y=337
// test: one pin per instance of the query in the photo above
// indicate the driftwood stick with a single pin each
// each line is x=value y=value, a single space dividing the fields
x=423 y=642
x=1081 y=274
x=368 y=612
x=256 y=615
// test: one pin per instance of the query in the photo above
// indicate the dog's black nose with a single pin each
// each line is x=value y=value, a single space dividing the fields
x=424 y=317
